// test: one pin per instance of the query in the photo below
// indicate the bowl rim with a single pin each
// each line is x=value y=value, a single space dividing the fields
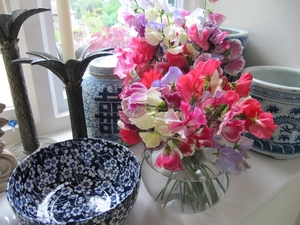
x=268 y=84
x=240 y=33
x=24 y=161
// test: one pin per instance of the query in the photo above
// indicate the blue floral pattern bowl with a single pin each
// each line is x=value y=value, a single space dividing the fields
x=278 y=91
x=82 y=181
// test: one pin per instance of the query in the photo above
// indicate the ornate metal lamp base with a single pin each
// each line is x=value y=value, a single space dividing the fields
x=18 y=151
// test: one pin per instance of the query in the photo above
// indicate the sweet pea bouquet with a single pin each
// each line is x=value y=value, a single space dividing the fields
x=176 y=95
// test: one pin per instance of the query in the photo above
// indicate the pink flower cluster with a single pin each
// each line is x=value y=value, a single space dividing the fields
x=174 y=37
x=184 y=112
x=176 y=96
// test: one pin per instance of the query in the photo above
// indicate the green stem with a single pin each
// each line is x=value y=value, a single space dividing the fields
x=173 y=187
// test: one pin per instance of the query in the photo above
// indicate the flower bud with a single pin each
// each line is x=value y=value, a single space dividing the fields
x=151 y=14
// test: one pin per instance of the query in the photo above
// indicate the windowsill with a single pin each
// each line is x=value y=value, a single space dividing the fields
x=268 y=192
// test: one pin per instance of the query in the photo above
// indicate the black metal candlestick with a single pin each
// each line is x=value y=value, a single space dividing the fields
x=70 y=74
x=10 y=25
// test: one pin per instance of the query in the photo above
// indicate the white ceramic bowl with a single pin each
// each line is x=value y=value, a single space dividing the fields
x=278 y=90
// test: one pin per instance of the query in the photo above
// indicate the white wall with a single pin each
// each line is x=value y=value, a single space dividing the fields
x=274 y=29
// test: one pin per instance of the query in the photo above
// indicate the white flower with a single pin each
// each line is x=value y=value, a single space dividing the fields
x=151 y=140
x=153 y=37
x=144 y=122
x=196 y=17
x=144 y=4
x=151 y=14
x=164 y=5
x=175 y=34
x=170 y=32
x=154 y=97
x=193 y=51
x=176 y=50
x=161 y=126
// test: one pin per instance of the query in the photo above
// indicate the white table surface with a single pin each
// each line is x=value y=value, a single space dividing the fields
x=248 y=193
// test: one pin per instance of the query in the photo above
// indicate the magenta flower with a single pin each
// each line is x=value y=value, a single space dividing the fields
x=170 y=160
x=186 y=122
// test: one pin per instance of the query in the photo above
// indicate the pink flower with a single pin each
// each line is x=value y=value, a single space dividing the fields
x=229 y=98
x=216 y=18
x=130 y=137
x=250 y=107
x=125 y=64
x=242 y=85
x=263 y=126
x=126 y=15
x=233 y=129
x=199 y=39
x=186 y=122
x=142 y=51
x=236 y=49
x=235 y=66
x=186 y=148
x=170 y=160
x=134 y=99
x=149 y=77
x=203 y=138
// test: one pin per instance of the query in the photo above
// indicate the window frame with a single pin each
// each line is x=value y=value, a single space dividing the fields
x=49 y=107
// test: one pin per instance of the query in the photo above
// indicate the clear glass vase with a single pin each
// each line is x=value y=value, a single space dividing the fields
x=196 y=188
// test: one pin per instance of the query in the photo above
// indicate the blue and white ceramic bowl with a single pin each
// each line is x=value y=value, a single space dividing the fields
x=80 y=181
x=278 y=90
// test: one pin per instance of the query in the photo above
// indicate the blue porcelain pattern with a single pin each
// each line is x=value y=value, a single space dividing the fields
x=82 y=181
x=100 y=91
x=285 y=141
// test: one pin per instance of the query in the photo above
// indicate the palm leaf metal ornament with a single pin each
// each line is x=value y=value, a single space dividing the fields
x=70 y=73
x=10 y=25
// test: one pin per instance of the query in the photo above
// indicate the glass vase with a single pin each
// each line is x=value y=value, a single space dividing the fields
x=195 y=188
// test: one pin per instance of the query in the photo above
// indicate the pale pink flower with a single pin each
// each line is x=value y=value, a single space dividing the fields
x=235 y=66
x=216 y=18
x=126 y=15
x=134 y=99
x=236 y=49
x=125 y=64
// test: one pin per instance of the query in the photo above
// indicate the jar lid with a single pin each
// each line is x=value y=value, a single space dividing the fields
x=103 y=65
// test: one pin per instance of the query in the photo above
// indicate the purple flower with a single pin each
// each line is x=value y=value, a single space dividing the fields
x=228 y=158
x=140 y=24
x=171 y=77
x=179 y=16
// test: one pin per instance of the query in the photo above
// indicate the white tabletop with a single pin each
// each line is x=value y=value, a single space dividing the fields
x=247 y=194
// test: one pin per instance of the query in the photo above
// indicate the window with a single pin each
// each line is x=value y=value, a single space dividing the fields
x=47 y=99
x=5 y=97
